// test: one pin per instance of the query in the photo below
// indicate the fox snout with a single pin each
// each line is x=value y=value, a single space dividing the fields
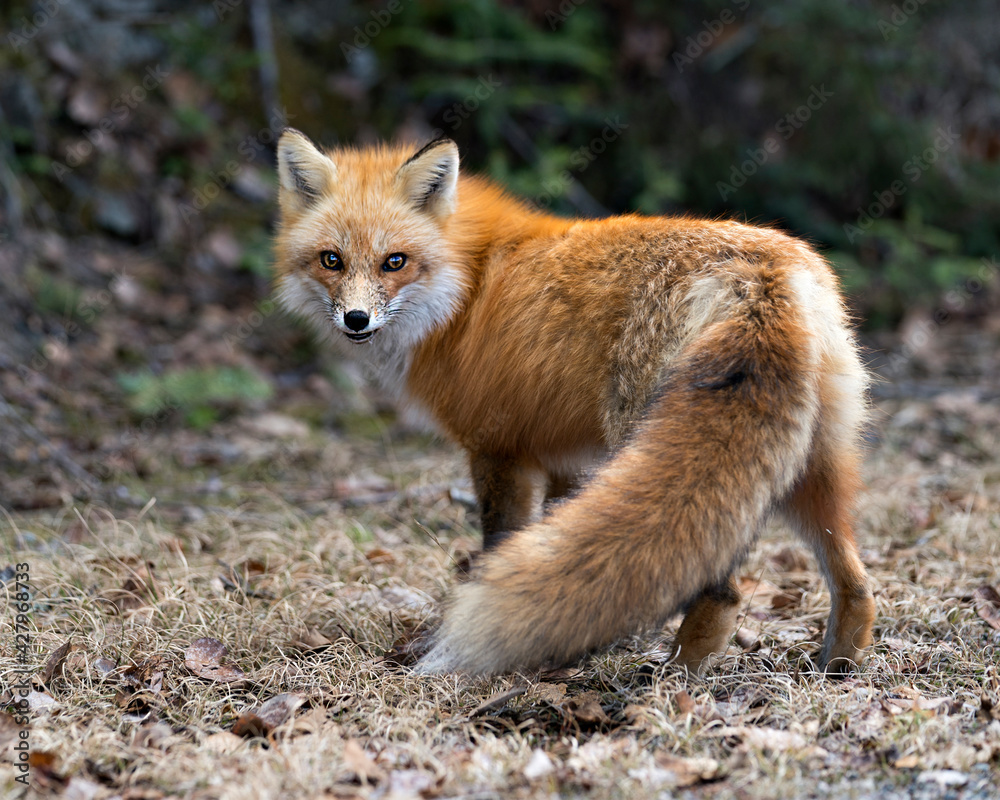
x=357 y=320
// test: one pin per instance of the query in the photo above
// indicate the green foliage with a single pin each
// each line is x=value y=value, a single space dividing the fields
x=215 y=51
x=198 y=394
x=359 y=534
x=256 y=258
x=794 y=112
x=193 y=122
x=848 y=111
x=54 y=295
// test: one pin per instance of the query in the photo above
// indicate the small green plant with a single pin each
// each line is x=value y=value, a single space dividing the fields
x=256 y=258
x=199 y=394
x=53 y=294
x=359 y=534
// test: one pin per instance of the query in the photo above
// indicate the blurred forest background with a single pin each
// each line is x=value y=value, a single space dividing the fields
x=138 y=194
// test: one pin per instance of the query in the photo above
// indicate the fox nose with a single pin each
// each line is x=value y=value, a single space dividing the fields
x=356 y=320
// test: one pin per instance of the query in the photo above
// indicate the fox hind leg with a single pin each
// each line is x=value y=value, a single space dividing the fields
x=819 y=508
x=708 y=623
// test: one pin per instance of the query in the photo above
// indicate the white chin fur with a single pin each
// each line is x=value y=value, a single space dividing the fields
x=415 y=312
x=422 y=306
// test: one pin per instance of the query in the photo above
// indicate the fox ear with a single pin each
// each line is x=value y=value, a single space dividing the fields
x=303 y=171
x=430 y=177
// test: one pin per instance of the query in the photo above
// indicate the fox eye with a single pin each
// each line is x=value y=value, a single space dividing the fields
x=394 y=262
x=330 y=260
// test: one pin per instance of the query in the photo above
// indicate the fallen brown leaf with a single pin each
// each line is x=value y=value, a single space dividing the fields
x=9 y=730
x=40 y=702
x=913 y=700
x=379 y=555
x=314 y=721
x=42 y=759
x=758 y=592
x=791 y=558
x=251 y=567
x=136 y=589
x=966 y=500
x=139 y=705
x=311 y=639
x=54 y=663
x=151 y=735
x=412 y=643
x=204 y=658
x=636 y=714
x=104 y=667
x=551 y=693
x=586 y=709
x=987 y=707
x=987 y=601
x=937 y=705
x=42 y=764
x=685 y=703
x=787 y=599
x=144 y=674
x=688 y=771
x=156 y=682
x=361 y=764
x=262 y=720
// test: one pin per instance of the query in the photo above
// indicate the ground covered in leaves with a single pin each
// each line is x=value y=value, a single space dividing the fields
x=228 y=548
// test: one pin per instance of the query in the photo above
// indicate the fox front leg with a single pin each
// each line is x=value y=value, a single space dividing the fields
x=506 y=492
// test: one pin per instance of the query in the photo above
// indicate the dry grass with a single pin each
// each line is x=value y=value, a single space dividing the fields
x=309 y=597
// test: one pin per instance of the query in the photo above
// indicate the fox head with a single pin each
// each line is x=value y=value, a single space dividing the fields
x=362 y=249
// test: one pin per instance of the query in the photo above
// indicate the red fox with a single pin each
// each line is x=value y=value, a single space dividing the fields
x=671 y=380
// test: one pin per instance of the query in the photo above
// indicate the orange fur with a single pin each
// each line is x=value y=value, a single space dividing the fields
x=689 y=375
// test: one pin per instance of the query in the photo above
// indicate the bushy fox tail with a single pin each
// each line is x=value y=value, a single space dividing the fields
x=672 y=513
